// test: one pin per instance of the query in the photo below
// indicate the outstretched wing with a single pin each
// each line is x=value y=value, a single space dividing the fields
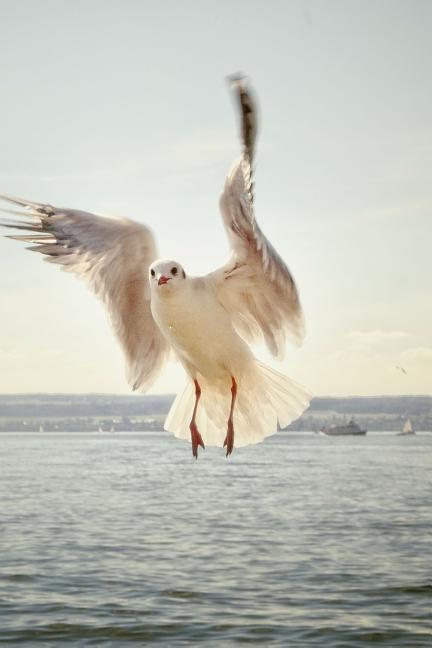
x=255 y=286
x=113 y=255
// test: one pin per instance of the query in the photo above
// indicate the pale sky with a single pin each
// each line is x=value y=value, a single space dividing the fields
x=122 y=107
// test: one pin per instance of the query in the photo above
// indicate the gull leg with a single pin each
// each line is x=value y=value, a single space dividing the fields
x=195 y=435
x=229 y=439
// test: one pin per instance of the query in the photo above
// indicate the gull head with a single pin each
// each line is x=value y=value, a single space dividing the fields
x=166 y=275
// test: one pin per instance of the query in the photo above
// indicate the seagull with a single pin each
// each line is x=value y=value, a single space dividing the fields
x=207 y=322
x=402 y=369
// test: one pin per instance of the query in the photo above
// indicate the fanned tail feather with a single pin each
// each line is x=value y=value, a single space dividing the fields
x=265 y=399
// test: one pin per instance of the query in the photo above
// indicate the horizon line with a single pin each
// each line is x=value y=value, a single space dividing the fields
x=135 y=394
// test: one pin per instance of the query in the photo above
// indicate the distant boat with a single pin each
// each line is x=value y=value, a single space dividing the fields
x=352 y=428
x=112 y=429
x=100 y=430
x=41 y=428
x=407 y=428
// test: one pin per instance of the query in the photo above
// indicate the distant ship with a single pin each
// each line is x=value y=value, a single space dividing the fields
x=407 y=428
x=352 y=428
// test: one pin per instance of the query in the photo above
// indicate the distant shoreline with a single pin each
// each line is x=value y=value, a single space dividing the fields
x=146 y=413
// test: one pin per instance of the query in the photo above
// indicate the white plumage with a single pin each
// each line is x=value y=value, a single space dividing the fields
x=230 y=398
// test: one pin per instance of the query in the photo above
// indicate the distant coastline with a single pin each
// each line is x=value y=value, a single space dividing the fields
x=146 y=413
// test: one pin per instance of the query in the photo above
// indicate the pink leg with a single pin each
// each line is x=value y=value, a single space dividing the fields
x=229 y=439
x=195 y=435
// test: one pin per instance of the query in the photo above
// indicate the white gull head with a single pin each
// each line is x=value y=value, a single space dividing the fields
x=166 y=274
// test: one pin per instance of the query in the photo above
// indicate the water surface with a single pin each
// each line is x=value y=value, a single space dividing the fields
x=304 y=540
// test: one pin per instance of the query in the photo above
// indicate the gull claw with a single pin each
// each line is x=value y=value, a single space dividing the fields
x=229 y=439
x=196 y=439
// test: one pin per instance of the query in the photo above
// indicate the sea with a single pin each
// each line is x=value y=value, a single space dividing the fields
x=125 y=540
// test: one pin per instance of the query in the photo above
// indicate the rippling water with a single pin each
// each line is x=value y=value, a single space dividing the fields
x=302 y=541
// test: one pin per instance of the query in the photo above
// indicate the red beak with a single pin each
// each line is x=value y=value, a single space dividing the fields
x=162 y=280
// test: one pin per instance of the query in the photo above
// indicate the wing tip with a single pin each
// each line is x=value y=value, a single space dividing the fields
x=248 y=111
x=18 y=201
x=237 y=79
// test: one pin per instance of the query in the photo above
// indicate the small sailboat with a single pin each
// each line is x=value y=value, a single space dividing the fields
x=41 y=428
x=407 y=428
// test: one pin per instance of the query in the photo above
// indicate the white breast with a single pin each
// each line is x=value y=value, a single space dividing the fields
x=199 y=329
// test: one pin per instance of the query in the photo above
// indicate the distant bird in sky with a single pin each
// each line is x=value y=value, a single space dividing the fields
x=230 y=399
x=402 y=369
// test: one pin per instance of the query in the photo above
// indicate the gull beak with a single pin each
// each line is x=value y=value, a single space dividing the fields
x=162 y=280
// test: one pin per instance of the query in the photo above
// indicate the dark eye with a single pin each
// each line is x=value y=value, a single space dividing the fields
x=152 y=272
x=174 y=271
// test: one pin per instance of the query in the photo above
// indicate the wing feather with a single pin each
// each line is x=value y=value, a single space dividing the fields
x=255 y=286
x=113 y=256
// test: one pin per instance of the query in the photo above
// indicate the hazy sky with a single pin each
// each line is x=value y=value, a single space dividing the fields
x=121 y=107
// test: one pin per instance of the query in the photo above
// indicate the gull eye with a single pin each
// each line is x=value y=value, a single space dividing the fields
x=174 y=271
x=152 y=272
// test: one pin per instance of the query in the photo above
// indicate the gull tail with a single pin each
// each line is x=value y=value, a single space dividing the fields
x=266 y=400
